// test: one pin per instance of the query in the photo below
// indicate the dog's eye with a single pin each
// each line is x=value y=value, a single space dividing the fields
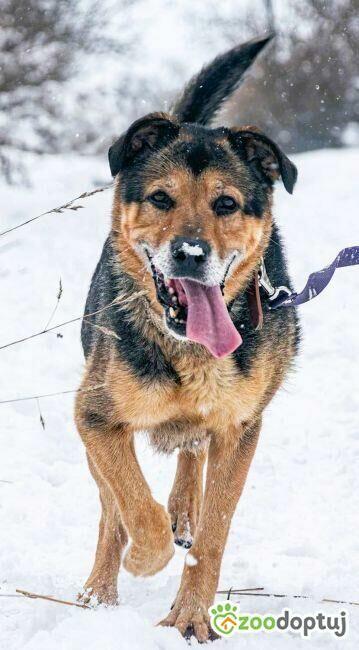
x=225 y=205
x=161 y=200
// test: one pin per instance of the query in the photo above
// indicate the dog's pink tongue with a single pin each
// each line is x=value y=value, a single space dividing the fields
x=208 y=320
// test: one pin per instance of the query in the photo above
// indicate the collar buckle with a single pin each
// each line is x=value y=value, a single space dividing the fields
x=265 y=283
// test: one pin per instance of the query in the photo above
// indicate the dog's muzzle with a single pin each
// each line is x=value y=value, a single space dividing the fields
x=189 y=281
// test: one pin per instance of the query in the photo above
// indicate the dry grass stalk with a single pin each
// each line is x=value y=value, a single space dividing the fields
x=259 y=591
x=66 y=206
x=30 y=594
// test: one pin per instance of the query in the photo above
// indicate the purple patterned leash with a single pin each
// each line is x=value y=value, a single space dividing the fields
x=316 y=283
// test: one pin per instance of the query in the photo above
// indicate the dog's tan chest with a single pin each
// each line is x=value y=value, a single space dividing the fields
x=209 y=396
x=217 y=394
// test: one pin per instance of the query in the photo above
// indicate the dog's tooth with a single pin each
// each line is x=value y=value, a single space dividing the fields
x=171 y=290
x=174 y=299
x=173 y=312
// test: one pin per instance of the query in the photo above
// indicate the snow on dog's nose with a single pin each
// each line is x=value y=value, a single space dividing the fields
x=189 y=257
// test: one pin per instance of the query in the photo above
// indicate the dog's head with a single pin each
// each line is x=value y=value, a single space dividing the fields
x=192 y=217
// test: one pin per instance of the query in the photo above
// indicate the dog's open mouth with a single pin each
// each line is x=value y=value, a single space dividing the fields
x=198 y=312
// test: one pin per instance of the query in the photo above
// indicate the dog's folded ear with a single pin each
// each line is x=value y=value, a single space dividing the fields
x=264 y=155
x=145 y=135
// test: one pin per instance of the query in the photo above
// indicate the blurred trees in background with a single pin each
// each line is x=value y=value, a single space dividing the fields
x=44 y=44
x=305 y=91
x=74 y=73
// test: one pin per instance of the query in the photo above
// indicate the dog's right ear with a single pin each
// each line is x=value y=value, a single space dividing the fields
x=147 y=134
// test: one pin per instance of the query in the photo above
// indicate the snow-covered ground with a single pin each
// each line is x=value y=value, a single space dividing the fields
x=295 y=530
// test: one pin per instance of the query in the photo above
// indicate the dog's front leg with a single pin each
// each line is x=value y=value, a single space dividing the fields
x=101 y=586
x=229 y=460
x=147 y=522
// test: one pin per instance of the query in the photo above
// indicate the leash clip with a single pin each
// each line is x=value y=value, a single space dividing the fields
x=264 y=281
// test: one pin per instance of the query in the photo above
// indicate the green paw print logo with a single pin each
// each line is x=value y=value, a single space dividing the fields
x=223 y=618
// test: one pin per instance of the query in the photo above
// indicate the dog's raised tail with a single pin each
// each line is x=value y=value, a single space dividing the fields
x=204 y=94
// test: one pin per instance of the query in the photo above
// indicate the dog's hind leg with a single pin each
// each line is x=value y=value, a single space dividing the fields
x=102 y=582
x=185 y=499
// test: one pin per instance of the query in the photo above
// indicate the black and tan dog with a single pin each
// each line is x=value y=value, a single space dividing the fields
x=178 y=352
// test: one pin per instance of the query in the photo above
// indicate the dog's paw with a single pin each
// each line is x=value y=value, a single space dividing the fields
x=190 y=619
x=183 y=531
x=184 y=512
x=144 y=561
x=154 y=549
x=99 y=594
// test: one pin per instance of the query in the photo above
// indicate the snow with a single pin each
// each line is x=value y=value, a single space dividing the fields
x=295 y=529
x=190 y=560
x=193 y=250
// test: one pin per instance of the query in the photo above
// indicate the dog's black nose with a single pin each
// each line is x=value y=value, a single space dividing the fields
x=189 y=255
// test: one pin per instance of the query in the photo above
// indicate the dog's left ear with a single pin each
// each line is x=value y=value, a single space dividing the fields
x=264 y=155
x=144 y=136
